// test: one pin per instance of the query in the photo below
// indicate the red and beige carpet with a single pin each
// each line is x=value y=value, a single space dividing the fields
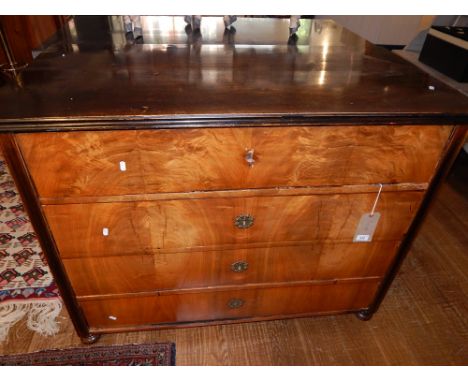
x=159 y=354
x=27 y=288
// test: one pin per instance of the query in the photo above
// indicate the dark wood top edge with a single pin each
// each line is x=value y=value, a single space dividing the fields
x=225 y=120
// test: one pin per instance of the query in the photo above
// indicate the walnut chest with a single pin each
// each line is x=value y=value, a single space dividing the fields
x=172 y=184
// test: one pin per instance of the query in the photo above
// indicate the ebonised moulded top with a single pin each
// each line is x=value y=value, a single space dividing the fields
x=92 y=75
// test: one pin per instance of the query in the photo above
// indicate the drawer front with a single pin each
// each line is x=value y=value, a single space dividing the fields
x=89 y=163
x=129 y=274
x=98 y=229
x=222 y=305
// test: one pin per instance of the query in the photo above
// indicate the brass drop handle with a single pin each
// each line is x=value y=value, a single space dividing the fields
x=249 y=157
x=244 y=221
x=239 y=266
x=235 y=303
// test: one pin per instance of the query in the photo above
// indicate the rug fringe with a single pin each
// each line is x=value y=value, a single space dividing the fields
x=42 y=316
x=10 y=314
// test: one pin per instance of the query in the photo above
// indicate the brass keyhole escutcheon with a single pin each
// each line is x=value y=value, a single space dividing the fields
x=239 y=266
x=235 y=303
x=244 y=221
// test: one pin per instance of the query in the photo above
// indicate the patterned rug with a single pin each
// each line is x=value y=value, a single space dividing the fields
x=26 y=284
x=162 y=354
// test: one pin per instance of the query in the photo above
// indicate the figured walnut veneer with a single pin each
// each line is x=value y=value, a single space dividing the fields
x=87 y=163
x=175 y=186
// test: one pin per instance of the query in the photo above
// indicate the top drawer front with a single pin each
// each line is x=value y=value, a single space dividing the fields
x=151 y=161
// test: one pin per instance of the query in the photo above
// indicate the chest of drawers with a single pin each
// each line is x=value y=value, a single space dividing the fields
x=217 y=211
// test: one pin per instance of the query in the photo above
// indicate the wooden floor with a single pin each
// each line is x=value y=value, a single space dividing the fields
x=423 y=320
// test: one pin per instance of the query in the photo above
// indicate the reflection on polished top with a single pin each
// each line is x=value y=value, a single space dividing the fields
x=253 y=71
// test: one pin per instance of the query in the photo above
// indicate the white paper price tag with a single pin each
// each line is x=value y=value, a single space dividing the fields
x=366 y=227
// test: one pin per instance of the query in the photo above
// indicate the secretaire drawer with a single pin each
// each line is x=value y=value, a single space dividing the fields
x=105 y=229
x=67 y=164
x=108 y=313
x=183 y=270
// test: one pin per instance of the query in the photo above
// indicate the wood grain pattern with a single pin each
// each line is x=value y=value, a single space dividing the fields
x=256 y=303
x=336 y=86
x=10 y=152
x=87 y=163
x=140 y=273
x=422 y=320
x=151 y=227
x=454 y=147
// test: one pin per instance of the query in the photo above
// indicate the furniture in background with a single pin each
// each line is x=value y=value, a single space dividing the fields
x=24 y=34
x=446 y=49
x=448 y=65
x=174 y=188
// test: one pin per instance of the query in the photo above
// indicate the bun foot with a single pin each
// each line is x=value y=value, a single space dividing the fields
x=90 y=339
x=364 y=315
